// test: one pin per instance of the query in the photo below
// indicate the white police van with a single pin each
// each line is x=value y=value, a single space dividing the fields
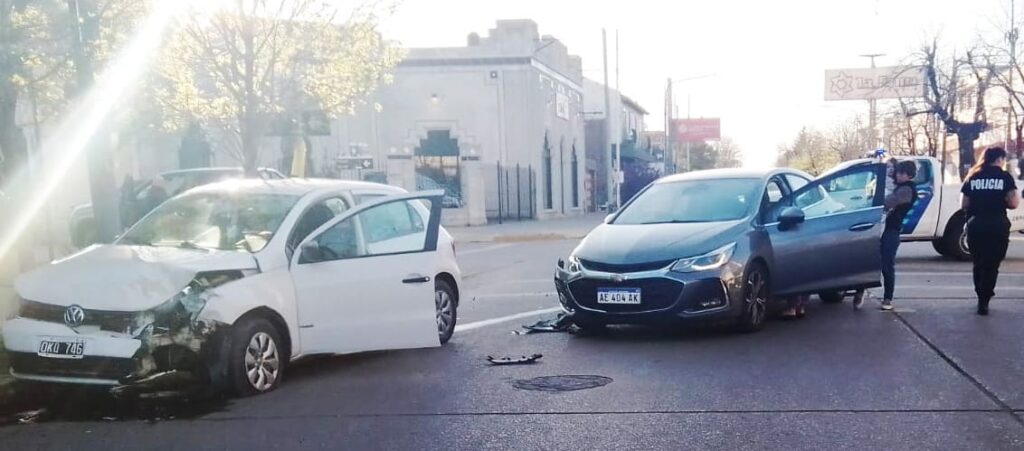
x=936 y=215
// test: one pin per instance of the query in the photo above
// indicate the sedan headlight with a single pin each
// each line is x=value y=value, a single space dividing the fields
x=711 y=260
x=574 y=265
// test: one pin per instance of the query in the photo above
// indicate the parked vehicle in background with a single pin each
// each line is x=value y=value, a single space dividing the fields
x=230 y=282
x=724 y=245
x=82 y=226
x=936 y=215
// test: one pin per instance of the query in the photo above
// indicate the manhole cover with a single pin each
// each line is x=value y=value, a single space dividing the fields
x=562 y=383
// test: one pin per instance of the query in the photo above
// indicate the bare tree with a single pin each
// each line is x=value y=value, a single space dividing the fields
x=947 y=80
x=809 y=151
x=849 y=139
x=729 y=154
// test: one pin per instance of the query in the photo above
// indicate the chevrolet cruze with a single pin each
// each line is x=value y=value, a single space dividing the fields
x=726 y=245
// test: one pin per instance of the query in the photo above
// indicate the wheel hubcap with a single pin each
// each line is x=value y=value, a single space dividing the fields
x=963 y=243
x=443 y=302
x=262 y=364
x=756 y=297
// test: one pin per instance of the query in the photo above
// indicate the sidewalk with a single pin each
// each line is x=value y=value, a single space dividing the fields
x=520 y=231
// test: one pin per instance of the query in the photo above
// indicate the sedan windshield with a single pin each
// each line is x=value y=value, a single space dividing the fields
x=691 y=201
x=220 y=221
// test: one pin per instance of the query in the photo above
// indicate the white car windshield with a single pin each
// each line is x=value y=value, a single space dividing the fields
x=692 y=201
x=219 y=221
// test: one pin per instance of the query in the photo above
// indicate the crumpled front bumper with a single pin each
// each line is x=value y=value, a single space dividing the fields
x=108 y=356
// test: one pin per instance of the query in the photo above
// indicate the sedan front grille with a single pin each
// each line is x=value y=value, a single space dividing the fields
x=655 y=294
x=106 y=320
x=91 y=367
x=625 y=268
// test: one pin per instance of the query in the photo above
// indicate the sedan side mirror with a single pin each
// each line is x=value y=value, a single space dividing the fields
x=311 y=253
x=790 y=217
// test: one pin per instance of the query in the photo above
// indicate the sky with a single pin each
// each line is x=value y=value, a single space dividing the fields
x=762 y=61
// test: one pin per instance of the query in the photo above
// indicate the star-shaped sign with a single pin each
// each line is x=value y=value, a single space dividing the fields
x=841 y=84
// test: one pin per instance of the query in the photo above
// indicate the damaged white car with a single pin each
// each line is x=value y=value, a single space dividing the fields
x=226 y=284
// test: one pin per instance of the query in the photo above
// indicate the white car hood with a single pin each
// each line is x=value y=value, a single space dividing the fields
x=124 y=278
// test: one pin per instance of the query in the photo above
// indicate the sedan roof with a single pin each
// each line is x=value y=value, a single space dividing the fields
x=731 y=173
x=292 y=186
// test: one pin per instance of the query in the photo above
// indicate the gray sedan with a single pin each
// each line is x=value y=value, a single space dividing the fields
x=726 y=245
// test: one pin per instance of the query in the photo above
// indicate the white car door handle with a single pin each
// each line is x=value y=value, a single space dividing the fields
x=415 y=278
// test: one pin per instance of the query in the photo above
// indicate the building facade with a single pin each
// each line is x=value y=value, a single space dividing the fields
x=497 y=124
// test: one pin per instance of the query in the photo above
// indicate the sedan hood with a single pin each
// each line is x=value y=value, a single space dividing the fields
x=645 y=243
x=124 y=278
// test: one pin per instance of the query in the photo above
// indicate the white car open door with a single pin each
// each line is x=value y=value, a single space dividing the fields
x=364 y=281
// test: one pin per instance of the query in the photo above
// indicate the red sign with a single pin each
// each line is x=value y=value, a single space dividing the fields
x=694 y=130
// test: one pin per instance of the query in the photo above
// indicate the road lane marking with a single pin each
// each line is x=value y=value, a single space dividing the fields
x=544 y=294
x=953 y=287
x=952 y=273
x=481 y=250
x=504 y=319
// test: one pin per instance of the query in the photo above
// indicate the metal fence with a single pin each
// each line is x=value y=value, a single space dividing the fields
x=510 y=192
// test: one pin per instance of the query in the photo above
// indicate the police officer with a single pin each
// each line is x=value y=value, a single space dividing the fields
x=987 y=193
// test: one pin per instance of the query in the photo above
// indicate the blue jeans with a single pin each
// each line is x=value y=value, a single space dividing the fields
x=890 y=244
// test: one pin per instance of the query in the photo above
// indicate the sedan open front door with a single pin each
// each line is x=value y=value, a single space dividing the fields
x=364 y=281
x=825 y=236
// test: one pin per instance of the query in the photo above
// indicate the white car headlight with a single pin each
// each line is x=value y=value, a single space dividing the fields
x=573 y=265
x=711 y=260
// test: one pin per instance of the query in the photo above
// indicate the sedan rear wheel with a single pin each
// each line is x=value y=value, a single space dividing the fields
x=756 y=291
x=446 y=308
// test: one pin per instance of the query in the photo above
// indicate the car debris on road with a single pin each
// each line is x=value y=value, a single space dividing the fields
x=524 y=360
x=563 y=323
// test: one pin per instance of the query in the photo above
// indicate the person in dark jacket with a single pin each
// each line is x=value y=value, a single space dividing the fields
x=988 y=192
x=897 y=205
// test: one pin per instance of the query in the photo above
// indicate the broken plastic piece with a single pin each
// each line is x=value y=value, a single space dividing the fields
x=560 y=324
x=524 y=360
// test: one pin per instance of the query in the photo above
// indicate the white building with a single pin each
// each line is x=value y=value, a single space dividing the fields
x=455 y=115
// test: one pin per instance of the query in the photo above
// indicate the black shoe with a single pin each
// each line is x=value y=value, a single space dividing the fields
x=983 y=311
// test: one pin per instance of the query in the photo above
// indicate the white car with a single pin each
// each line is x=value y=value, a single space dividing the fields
x=228 y=283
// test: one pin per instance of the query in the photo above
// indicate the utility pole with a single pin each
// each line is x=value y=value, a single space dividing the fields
x=102 y=186
x=1012 y=36
x=873 y=108
x=618 y=86
x=670 y=155
x=610 y=169
x=689 y=166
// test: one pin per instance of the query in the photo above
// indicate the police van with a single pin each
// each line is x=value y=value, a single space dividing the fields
x=936 y=215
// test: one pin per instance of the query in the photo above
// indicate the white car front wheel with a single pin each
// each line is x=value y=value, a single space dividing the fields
x=257 y=357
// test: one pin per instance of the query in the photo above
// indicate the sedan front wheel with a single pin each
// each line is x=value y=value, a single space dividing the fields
x=257 y=358
x=756 y=292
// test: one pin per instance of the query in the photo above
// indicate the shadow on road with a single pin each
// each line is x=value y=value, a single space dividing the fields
x=35 y=403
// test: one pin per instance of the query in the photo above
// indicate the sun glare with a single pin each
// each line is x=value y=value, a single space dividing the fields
x=87 y=117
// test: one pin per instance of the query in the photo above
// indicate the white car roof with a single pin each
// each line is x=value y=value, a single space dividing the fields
x=293 y=186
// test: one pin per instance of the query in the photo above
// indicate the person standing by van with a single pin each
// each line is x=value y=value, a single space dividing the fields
x=986 y=195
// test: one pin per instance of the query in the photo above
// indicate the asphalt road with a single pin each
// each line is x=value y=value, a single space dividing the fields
x=931 y=376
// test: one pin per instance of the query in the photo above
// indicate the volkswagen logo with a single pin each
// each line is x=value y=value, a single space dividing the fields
x=74 y=316
x=618 y=278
